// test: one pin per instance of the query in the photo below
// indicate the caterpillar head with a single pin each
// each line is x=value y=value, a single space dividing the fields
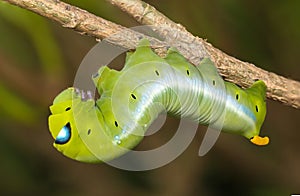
x=82 y=132
x=67 y=118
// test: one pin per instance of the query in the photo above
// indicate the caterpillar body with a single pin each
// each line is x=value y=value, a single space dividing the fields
x=131 y=99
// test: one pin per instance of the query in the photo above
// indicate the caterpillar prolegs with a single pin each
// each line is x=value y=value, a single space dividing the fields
x=131 y=99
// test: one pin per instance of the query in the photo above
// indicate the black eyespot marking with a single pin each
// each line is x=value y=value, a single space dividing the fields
x=256 y=108
x=157 y=73
x=214 y=82
x=237 y=96
x=187 y=72
x=133 y=96
x=68 y=108
x=116 y=124
x=89 y=132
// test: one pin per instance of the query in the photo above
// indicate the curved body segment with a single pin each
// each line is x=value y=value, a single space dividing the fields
x=131 y=99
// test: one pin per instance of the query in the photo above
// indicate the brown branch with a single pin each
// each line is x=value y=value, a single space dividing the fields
x=86 y=23
x=281 y=89
x=193 y=48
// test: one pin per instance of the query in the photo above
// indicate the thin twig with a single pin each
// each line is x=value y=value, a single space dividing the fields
x=281 y=89
x=193 y=48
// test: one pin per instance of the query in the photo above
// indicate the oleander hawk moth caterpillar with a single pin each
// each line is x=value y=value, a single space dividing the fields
x=90 y=130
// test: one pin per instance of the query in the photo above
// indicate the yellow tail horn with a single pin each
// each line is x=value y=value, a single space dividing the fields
x=260 y=141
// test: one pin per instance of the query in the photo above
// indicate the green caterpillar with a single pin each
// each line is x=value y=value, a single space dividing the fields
x=131 y=99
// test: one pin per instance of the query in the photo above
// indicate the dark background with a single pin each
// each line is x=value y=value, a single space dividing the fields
x=39 y=58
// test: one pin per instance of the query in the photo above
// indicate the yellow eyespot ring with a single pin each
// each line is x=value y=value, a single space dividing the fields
x=260 y=141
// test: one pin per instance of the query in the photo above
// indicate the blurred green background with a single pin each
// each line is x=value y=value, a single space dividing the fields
x=39 y=58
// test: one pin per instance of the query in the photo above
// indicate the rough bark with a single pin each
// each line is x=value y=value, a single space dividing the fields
x=193 y=48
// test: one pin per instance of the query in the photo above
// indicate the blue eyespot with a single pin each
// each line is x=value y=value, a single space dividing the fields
x=64 y=135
